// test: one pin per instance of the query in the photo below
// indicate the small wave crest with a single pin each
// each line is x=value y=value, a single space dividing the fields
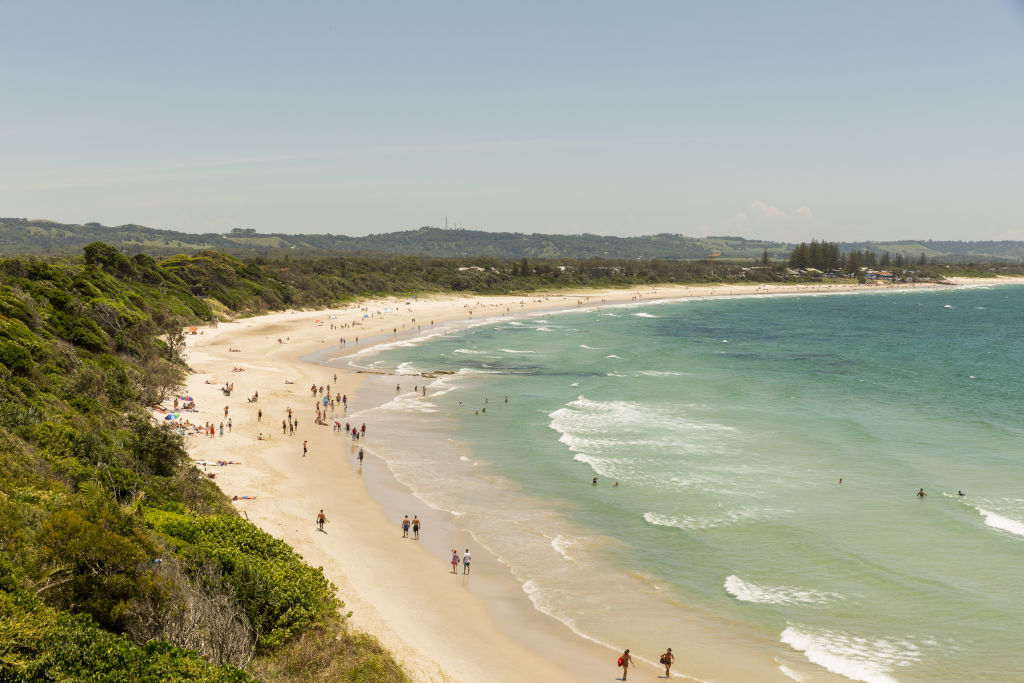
x=472 y=352
x=516 y=351
x=748 y=591
x=997 y=521
x=646 y=315
x=861 y=659
x=691 y=523
x=406 y=369
x=561 y=544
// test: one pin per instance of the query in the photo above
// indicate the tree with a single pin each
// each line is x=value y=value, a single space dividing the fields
x=175 y=337
x=853 y=264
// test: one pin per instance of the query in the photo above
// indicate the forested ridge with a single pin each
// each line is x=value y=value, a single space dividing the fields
x=42 y=237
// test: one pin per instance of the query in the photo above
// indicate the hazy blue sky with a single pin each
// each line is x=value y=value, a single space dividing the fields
x=782 y=120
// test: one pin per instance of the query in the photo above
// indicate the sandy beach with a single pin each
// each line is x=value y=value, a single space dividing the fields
x=442 y=627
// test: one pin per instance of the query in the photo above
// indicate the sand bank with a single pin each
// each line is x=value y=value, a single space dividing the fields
x=443 y=627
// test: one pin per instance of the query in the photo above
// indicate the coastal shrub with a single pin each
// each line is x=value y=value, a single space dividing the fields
x=281 y=595
x=13 y=306
x=15 y=357
x=39 y=643
x=331 y=651
x=79 y=330
x=99 y=545
x=159 y=451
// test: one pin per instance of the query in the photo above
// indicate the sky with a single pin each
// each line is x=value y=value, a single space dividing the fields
x=783 y=120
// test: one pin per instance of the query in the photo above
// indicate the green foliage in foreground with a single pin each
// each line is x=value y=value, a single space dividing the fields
x=38 y=643
x=118 y=560
x=330 y=652
x=280 y=594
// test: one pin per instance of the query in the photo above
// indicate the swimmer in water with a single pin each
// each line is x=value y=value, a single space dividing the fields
x=961 y=494
x=594 y=482
x=921 y=493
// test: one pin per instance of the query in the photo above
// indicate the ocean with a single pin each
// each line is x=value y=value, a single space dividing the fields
x=719 y=430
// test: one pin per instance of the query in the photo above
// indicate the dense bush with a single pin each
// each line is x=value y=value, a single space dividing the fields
x=281 y=595
x=38 y=643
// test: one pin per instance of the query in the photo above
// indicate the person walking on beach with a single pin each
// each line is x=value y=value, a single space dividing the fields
x=320 y=519
x=455 y=561
x=416 y=527
x=405 y=527
x=225 y=411
x=465 y=562
x=666 y=660
x=624 y=661
x=259 y=415
x=304 y=448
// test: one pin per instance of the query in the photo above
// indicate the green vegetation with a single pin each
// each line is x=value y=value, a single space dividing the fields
x=118 y=561
x=20 y=236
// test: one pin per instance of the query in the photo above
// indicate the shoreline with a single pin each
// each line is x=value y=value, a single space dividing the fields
x=482 y=629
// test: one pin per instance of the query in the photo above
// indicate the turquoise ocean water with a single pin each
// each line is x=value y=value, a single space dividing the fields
x=728 y=424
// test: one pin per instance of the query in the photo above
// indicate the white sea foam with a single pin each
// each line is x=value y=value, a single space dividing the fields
x=471 y=352
x=611 y=356
x=406 y=369
x=561 y=544
x=646 y=315
x=748 y=591
x=789 y=673
x=545 y=605
x=516 y=351
x=699 y=523
x=996 y=521
x=409 y=405
x=660 y=373
x=584 y=346
x=543 y=329
x=860 y=659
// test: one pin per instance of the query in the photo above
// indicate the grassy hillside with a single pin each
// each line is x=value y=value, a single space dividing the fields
x=118 y=561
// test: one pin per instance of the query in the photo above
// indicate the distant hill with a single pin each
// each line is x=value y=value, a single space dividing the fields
x=41 y=237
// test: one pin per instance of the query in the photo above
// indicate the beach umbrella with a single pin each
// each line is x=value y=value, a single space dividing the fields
x=365 y=316
x=186 y=398
x=172 y=416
